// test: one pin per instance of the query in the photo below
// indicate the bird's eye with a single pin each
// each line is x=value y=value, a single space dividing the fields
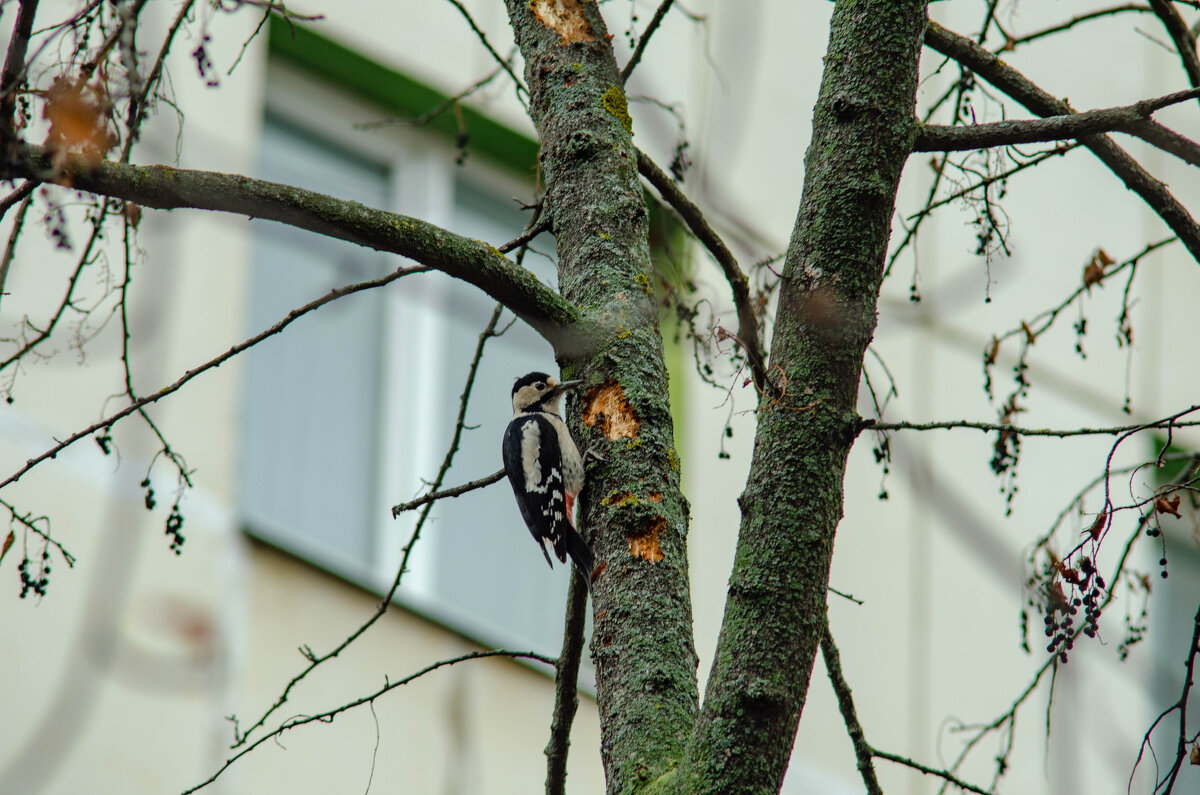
x=539 y=385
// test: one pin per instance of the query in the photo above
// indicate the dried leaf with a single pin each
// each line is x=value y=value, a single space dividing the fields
x=1030 y=336
x=1098 y=526
x=1103 y=258
x=994 y=351
x=1194 y=756
x=1093 y=273
x=8 y=542
x=133 y=214
x=78 y=116
x=1167 y=505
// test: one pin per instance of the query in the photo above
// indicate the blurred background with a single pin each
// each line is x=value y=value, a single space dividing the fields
x=121 y=677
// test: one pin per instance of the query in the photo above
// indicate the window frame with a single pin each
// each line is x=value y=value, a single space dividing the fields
x=306 y=82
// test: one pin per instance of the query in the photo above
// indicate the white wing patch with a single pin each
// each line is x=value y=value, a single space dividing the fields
x=530 y=463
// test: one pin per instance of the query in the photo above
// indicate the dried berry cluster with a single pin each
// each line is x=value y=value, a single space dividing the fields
x=1086 y=587
x=30 y=582
x=174 y=526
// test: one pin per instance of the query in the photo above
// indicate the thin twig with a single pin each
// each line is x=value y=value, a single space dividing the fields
x=946 y=775
x=748 y=333
x=185 y=475
x=112 y=419
x=534 y=229
x=29 y=522
x=242 y=737
x=1127 y=118
x=18 y=195
x=1012 y=42
x=495 y=55
x=997 y=72
x=1031 y=687
x=862 y=750
x=1112 y=430
x=14 y=65
x=463 y=258
x=988 y=181
x=10 y=248
x=644 y=39
x=329 y=715
x=1042 y=321
x=436 y=110
x=85 y=258
x=454 y=491
x=1182 y=706
x=566 y=686
x=1181 y=36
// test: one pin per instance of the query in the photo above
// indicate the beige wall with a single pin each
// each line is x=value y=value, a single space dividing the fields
x=119 y=679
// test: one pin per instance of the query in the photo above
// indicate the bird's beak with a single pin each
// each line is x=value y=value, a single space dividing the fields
x=565 y=386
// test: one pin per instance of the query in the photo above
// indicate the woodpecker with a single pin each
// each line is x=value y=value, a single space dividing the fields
x=545 y=469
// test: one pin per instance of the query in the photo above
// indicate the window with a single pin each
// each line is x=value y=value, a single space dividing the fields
x=352 y=408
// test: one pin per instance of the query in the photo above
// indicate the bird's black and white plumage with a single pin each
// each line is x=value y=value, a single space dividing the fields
x=545 y=468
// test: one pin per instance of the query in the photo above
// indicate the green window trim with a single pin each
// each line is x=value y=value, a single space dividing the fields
x=397 y=93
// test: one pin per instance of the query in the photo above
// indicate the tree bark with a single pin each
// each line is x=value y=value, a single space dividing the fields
x=632 y=510
x=863 y=129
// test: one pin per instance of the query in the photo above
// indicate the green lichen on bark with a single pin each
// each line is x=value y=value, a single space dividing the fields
x=775 y=614
x=641 y=644
x=614 y=102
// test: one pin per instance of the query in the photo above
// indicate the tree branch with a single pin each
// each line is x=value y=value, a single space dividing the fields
x=1058 y=432
x=566 y=687
x=10 y=248
x=929 y=771
x=1168 y=140
x=210 y=364
x=991 y=68
x=314 y=660
x=1182 y=704
x=1011 y=42
x=472 y=261
x=1129 y=119
x=642 y=646
x=14 y=64
x=862 y=750
x=488 y=46
x=748 y=333
x=644 y=39
x=329 y=715
x=1181 y=35
x=454 y=491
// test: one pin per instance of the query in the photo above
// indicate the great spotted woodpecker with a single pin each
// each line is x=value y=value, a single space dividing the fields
x=545 y=469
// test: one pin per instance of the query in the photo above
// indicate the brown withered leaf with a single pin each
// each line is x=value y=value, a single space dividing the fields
x=1098 y=526
x=78 y=116
x=1055 y=598
x=1103 y=258
x=1030 y=336
x=1194 y=756
x=994 y=351
x=133 y=214
x=1167 y=505
x=8 y=542
x=1093 y=273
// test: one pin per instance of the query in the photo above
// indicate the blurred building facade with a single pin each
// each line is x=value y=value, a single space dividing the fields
x=120 y=679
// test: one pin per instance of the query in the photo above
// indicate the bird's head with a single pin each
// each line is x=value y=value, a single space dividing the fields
x=539 y=392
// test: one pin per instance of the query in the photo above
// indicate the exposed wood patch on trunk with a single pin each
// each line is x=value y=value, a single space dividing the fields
x=607 y=410
x=564 y=17
x=643 y=543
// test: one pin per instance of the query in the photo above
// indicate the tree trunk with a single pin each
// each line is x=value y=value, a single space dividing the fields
x=633 y=512
x=775 y=614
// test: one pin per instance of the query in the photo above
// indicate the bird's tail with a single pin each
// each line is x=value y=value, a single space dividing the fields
x=578 y=549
